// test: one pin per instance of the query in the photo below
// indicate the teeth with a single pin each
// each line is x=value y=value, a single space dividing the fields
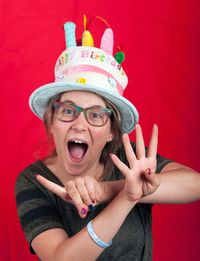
x=78 y=141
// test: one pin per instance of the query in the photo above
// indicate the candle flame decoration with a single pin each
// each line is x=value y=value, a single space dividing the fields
x=87 y=39
x=107 y=42
x=103 y=20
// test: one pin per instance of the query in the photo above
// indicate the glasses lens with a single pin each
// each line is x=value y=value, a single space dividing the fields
x=97 y=116
x=66 y=112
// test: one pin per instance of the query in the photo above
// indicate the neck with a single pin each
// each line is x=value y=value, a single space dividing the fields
x=96 y=170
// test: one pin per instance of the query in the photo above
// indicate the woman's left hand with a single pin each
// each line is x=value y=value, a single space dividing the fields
x=140 y=177
x=83 y=192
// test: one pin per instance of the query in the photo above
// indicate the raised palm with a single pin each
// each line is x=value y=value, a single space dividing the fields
x=140 y=178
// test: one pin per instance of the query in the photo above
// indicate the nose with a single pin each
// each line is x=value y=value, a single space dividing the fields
x=80 y=123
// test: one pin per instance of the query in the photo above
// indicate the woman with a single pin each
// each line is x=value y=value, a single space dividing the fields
x=91 y=199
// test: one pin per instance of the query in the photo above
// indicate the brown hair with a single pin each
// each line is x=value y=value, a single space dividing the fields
x=110 y=147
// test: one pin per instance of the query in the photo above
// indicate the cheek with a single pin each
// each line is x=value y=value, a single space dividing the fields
x=58 y=131
x=102 y=136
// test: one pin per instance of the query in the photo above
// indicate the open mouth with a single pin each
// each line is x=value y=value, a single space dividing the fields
x=77 y=149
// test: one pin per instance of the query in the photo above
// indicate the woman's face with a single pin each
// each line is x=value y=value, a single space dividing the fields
x=78 y=144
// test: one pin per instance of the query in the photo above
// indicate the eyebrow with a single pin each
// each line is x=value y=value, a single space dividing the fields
x=72 y=102
x=68 y=101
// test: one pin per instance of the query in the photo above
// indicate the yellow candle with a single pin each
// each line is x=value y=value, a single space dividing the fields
x=87 y=39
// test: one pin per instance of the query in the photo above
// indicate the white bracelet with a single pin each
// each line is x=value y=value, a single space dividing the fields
x=95 y=238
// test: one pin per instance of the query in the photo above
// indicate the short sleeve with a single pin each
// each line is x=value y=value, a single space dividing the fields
x=161 y=163
x=36 y=207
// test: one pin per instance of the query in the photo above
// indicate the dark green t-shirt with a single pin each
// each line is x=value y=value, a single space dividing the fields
x=40 y=210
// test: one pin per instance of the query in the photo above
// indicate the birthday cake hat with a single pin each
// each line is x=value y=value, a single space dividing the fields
x=87 y=68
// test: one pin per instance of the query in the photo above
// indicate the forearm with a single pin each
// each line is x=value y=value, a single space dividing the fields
x=182 y=184
x=81 y=246
x=111 y=189
x=179 y=184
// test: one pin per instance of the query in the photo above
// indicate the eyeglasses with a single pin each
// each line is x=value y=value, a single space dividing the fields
x=95 y=115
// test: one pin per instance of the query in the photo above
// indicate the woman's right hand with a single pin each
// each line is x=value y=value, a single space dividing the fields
x=82 y=192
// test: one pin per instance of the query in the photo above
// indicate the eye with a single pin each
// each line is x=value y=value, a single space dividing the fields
x=67 y=111
x=95 y=115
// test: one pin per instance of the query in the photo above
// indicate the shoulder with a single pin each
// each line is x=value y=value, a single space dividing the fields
x=38 y=167
x=26 y=183
x=27 y=176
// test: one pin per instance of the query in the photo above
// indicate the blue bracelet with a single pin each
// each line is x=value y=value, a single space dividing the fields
x=95 y=238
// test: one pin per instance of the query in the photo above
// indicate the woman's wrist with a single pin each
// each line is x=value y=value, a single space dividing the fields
x=110 y=189
x=132 y=201
x=113 y=188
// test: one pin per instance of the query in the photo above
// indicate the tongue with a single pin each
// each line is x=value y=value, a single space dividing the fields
x=76 y=151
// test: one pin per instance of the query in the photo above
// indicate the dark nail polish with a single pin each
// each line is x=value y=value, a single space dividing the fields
x=83 y=211
x=90 y=208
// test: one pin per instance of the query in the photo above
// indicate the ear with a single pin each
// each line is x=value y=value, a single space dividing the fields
x=51 y=129
x=110 y=137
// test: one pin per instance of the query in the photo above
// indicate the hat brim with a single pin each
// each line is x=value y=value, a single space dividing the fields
x=39 y=100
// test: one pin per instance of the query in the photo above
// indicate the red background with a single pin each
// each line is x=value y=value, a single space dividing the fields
x=161 y=42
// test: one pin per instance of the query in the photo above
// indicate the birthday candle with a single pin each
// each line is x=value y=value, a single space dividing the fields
x=87 y=39
x=107 y=41
x=70 y=37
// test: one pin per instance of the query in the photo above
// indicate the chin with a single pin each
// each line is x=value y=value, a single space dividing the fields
x=75 y=170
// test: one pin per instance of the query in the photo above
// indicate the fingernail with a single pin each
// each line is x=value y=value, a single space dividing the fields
x=148 y=171
x=83 y=211
x=90 y=208
x=36 y=175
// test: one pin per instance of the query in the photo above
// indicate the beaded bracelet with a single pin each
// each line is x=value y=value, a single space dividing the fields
x=95 y=238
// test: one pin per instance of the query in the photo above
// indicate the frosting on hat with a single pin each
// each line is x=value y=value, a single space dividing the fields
x=89 y=65
x=93 y=65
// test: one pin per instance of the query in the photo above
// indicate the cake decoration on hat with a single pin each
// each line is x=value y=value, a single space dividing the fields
x=89 y=68
x=87 y=39
x=70 y=36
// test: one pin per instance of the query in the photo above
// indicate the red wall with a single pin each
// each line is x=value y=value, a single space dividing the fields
x=161 y=42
